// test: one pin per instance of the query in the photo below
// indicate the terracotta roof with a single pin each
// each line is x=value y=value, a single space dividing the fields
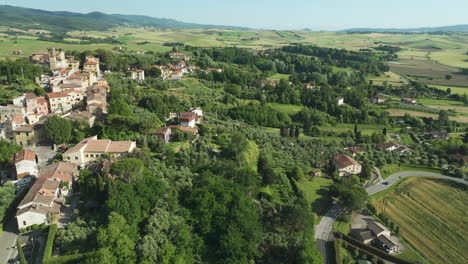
x=70 y=85
x=97 y=145
x=41 y=100
x=46 y=182
x=343 y=161
x=57 y=95
x=90 y=63
x=17 y=119
x=186 y=116
x=24 y=128
x=80 y=145
x=120 y=146
x=25 y=154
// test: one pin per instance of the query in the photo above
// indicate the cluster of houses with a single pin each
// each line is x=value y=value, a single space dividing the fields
x=74 y=94
x=53 y=183
x=186 y=122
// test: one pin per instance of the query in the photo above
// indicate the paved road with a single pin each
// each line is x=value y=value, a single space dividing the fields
x=8 y=242
x=324 y=228
x=395 y=177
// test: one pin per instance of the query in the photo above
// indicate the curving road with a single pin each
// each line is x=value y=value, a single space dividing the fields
x=323 y=230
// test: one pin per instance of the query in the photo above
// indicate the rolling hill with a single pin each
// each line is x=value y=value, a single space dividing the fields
x=27 y=18
x=456 y=28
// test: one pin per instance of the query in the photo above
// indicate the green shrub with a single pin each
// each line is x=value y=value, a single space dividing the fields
x=20 y=253
x=49 y=244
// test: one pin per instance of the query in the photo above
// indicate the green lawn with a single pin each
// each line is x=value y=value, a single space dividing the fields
x=316 y=193
x=341 y=227
x=427 y=101
x=286 y=108
x=390 y=169
x=454 y=89
x=280 y=76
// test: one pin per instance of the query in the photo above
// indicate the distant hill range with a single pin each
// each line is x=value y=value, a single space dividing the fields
x=27 y=18
x=457 y=28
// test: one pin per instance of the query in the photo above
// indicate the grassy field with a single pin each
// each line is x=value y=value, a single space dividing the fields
x=430 y=213
x=316 y=193
x=455 y=89
x=286 y=108
x=402 y=112
x=365 y=129
x=420 y=46
x=280 y=76
x=390 y=169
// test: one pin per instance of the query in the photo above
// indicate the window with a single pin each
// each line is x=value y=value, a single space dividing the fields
x=87 y=155
x=76 y=158
x=24 y=222
x=68 y=158
x=92 y=155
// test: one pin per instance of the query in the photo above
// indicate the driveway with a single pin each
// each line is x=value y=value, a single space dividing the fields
x=324 y=228
x=8 y=242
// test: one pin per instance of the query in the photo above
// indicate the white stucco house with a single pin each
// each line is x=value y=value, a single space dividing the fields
x=91 y=149
x=346 y=165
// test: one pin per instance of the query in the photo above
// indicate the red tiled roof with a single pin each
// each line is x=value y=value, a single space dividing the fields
x=186 y=116
x=343 y=161
x=25 y=154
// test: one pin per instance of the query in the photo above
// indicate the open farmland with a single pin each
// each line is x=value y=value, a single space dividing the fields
x=402 y=112
x=429 y=72
x=431 y=217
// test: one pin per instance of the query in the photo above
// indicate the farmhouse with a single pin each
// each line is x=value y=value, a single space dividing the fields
x=43 y=200
x=187 y=119
x=138 y=75
x=164 y=133
x=346 y=165
x=91 y=149
x=408 y=101
x=378 y=99
x=316 y=173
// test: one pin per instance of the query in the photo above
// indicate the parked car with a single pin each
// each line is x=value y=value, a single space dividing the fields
x=385 y=183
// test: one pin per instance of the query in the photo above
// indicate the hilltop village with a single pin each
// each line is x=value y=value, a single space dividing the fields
x=204 y=150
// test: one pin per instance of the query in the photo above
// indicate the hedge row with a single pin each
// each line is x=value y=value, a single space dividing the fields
x=49 y=244
x=20 y=252
x=336 y=244
x=379 y=253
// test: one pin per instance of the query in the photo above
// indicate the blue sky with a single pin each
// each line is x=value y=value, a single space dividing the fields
x=279 y=14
